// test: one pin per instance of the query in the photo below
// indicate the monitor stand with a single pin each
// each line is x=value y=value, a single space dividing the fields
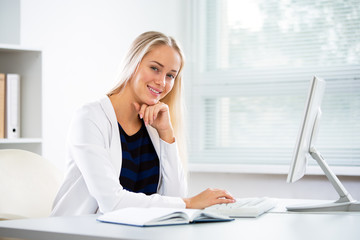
x=345 y=203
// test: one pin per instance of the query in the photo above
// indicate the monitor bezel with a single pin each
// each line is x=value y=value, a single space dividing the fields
x=308 y=130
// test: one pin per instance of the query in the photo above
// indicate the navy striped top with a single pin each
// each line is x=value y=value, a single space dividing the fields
x=140 y=163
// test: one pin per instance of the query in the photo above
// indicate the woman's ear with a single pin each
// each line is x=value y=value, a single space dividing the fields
x=134 y=72
x=136 y=69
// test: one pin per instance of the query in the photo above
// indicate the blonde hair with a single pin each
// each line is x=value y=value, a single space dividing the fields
x=142 y=45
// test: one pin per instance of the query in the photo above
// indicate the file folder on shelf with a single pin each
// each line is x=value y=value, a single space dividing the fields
x=13 y=106
x=2 y=105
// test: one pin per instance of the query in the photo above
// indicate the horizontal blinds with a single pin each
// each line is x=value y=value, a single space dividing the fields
x=250 y=86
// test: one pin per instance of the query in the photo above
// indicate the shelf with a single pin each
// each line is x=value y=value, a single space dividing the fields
x=17 y=48
x=27 y=62
x=20 y=140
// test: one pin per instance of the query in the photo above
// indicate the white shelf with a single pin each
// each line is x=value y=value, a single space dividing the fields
x=20 y=140
x=17 y=48
x=27 y=62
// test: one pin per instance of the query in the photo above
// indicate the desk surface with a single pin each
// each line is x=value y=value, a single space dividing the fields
x=269 y=226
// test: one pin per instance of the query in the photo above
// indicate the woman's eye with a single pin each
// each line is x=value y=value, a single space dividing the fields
x=171 y=76
x=155 y=69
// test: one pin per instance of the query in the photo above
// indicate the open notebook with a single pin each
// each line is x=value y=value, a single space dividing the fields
x=144 y=217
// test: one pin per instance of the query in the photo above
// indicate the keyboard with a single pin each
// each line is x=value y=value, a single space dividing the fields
x=244 y=207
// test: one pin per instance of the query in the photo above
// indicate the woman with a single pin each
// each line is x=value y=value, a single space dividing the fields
x=122 y=149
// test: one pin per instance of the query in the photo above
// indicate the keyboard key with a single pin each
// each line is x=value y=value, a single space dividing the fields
x=244 y=207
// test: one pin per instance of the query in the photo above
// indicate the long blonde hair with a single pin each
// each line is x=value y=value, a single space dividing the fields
x=142 y=45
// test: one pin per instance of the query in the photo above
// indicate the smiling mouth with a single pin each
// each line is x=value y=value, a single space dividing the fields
x=153 y=90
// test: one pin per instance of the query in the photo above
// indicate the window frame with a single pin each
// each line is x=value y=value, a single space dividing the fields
x=196 y=85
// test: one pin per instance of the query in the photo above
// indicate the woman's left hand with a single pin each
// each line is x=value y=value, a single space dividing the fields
x=158 y=117
x=208 y=198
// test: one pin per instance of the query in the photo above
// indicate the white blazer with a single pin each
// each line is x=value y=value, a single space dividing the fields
x=94 y=157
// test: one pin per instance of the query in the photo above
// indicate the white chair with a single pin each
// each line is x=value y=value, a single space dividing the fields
x=28 y=184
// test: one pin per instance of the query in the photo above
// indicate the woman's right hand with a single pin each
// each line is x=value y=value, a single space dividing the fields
x=208 y=198
x=158 y=117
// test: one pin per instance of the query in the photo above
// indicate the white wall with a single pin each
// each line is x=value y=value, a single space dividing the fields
x=10 y=21
x=83 y=42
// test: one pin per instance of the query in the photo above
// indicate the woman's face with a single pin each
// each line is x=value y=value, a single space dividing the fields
x=155 y=75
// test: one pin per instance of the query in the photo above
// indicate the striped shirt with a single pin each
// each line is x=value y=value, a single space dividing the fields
x=140 y=163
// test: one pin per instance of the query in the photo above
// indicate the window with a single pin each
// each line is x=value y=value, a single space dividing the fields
x=252 y=62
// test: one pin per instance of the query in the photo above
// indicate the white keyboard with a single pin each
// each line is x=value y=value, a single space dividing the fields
x=244 y=207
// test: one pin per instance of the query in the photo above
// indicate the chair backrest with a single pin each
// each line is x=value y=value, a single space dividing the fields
x=28 y=184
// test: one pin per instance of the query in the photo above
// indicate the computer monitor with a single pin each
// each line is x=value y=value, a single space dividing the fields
x=305 y=151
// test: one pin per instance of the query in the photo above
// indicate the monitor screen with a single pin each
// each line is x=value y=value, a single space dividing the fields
x=305 y=150
x=308 y=130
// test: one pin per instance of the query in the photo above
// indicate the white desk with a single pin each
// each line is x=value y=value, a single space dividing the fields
x=270 y=226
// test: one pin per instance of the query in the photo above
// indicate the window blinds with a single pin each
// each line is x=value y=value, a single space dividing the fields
x=252 y=64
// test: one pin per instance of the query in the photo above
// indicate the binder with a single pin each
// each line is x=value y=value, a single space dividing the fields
x=2 y=105
x=12 y=106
